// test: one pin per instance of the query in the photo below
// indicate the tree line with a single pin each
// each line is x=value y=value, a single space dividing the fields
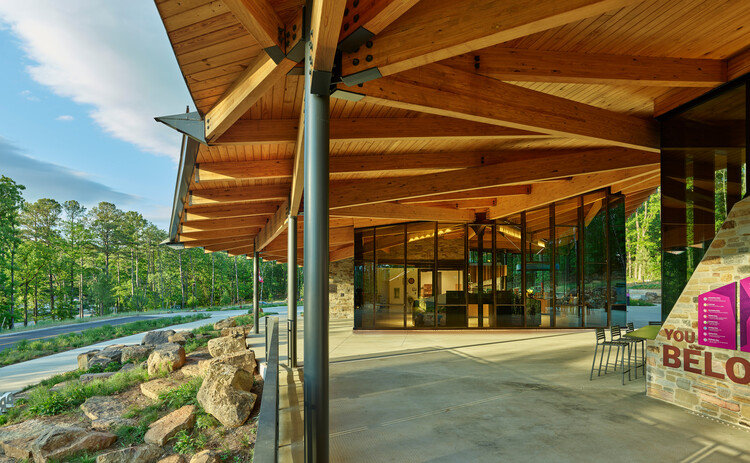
x=62 y=260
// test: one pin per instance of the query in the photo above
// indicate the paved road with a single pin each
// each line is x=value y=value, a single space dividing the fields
x=9 y=340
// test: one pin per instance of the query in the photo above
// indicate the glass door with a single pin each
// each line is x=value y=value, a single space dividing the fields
x=480 y=276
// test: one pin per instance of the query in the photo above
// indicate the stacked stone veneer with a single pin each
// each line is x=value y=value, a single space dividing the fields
x=341 y=288
x=727 y=260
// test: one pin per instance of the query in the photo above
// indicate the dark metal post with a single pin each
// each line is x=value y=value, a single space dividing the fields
x=256 y=294
x=316 y=268
x=292 y=290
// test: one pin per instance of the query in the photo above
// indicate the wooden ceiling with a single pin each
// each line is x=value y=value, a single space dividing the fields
x=452 y=110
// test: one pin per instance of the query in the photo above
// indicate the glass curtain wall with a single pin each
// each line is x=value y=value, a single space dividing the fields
x=559 y=266
x=704 y=173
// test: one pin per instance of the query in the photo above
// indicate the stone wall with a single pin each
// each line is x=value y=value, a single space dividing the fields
x=341 y=288
x=701 y=381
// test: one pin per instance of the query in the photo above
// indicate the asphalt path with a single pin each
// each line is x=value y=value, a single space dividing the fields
x=9 y=340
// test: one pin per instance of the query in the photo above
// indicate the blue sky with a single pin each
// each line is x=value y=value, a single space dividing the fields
x=80 y=84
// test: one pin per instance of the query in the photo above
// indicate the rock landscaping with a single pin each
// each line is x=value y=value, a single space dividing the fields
x=179 y=397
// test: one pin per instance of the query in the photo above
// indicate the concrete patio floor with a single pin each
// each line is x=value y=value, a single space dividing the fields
x=520 y=396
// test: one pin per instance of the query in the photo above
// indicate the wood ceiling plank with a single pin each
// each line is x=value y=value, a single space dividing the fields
x=444 y=91
x=482 y=193
x=552 y=66
x=219 y=224
x=506 y=173
x=433 y=31
x=233 y=232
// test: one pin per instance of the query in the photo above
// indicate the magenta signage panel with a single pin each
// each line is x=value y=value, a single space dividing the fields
x=718 y=324
x=745 y=315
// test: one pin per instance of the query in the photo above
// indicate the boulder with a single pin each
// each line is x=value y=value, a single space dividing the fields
x=112 y=353
x=225 y=394
x=243 y=360
x=226 y=323
x=16 y=439
x=128 y=367
x=141 y=454
x=153 y=388
x=168 y=357
x=85 y=358
x=206 y=456
x=60 y=442
x=154 y=338
x=243 y=331
x=60 y=386
x=227 y=345
x=181 y=337
x=160 y=431
x=88 y=377
x=135 y=353
x=106 y=413
x=173 y=459
x=191 y=370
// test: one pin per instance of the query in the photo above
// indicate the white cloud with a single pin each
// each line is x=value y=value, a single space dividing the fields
x=113 y=56
x=29 y=96
x=65 y=118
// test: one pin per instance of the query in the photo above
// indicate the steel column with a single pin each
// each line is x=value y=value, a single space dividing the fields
x=256 y=292
x=316 y=267
x=292 y=290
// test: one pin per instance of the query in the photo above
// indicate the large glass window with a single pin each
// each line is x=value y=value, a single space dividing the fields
x=703 y=175
x=561 y=265
x=538 y=269
x=567 y=269
x=389 y=277
x=420 y=252
x=508 y=276
x=595 y=294
x=451 y=286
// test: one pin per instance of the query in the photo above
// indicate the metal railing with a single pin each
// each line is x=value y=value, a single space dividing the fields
x=267 y=437
x=6 y=402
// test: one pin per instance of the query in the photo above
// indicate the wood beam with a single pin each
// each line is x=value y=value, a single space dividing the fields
x=279 y=131
x=276 y=224
x=406 y=212
x=325 y=26
x=629 y=184
x=225 y=195
x=544 y=194
x=342 y=252
x=282 y=168
x=440 y=90
x=482 y=193
x=372 y=16
x=519 y=171
x=552 y=66
x=463 y=203
x=249 y=87
x=259 y=18
x=441 y=29
x=245 y=250
x=298 y=167
x=226 y=246
x=232 y=232
x=219 y=224
x=218 y=211
x=215 y=242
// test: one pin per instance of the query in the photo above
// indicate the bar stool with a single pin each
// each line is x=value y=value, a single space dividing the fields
x=601 y=341
x=616 y=337
x=636 y=342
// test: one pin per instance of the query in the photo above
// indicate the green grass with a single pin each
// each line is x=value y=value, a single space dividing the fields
x=640 y=303
x=645 y=285
x=26 y=350
x=42 y=402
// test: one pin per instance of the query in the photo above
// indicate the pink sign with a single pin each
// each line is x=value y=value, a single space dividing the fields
x=745 y=315
x=718 y=325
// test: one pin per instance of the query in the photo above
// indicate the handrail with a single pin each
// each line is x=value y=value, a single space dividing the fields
x=267 y=437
